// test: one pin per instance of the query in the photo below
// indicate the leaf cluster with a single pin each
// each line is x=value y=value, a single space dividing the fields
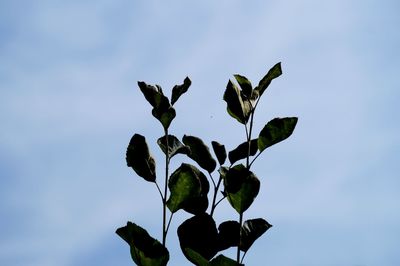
x=188 y=186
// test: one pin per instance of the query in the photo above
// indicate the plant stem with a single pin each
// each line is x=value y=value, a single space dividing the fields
x=215 y=196
x=165 y=190
x=240 y=236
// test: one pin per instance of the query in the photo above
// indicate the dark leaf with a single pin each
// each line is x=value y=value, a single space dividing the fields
x=195 y=257
x=241 y=151
x=199 y=234
x=138 y=157
x=229 y=235
x=251 y=230
x=145 y=250
x=241 y=187
x=200 y=153
x=235 y=105
x=174 y=146
x=162 y=109
x=198 y=204
x=273 y=73
x=219 y=151
x=178 y=90
x=187 y=185
x=221 y=260
x=275 y=131
x=245 y=85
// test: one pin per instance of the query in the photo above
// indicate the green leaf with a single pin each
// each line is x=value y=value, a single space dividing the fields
x=178 y=90
x=162 y=109
x=251 y=230
x=145 y=250
x=273 y=73
x=200 y=153
x=219 y=151
x=199 y=234
x=241 y=151
x=174 y=146
x=275 y=131
x=187 y=184
x=245 y=85
x=229 y=235
x=195 y=257
x=241 y=187
x=221 y=260
x=138 y=157
x=235 y=105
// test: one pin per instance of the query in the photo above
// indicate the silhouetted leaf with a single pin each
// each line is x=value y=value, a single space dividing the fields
x=219 y=151
x=251 y=230
x=245 y=85
x=273 y=73
x=138 y=157
x=195 y=257
x=178 y=90
x=200 y=153
x=221 y=260
x=174 y=146
x=187 y=184
x=162 y=109
x=199 y=234
x=241 y=187
x=228 y=235
x=235 y=105
x=241 y=151
x=198 y=204
x=275 y=131
x=145 y=250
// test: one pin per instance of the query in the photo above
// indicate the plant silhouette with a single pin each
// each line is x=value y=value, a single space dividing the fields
x=187 y=187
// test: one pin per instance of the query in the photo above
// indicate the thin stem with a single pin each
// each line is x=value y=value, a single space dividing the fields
x=244 y=254
x=254 y=159
x=240 y=236
x=215 y=196
x=212 y=179
x=169 y=222
x=159 y=191
x=165 y=189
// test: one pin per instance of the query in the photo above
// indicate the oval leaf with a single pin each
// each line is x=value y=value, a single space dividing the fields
x=174 y=146
x=138 y=157
x=199 y=234
x=186 y=184
x=178 y=90
x=219 y=151
x=145 y=250
x=275 y=131
x=241 y=187
x=251 y=230
x=235 y=105
x=228 y=235
x=200 y=153
x=245 y=85
x=273 y=73
x=241 y=151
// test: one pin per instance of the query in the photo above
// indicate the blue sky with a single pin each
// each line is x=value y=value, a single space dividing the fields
x=69 y=104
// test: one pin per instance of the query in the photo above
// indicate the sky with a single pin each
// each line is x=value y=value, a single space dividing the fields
x=69 y=104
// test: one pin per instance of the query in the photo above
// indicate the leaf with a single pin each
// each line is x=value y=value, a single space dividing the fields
x=145 y=250
x=235 y=105
x=198 y=204
x=245 y=85
x=199 y=234
x=219 y=151
x=275 y=131
x=200 y=153
x=273 y=73
x=241 y=187
x=138 y=157
x=174 y=146
x=221 y=260
x=187 y=184
x=178 y=90
x=251 y=230
x=229 y=235
x=162 y=109
x=241 y=151
x=195 y=257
